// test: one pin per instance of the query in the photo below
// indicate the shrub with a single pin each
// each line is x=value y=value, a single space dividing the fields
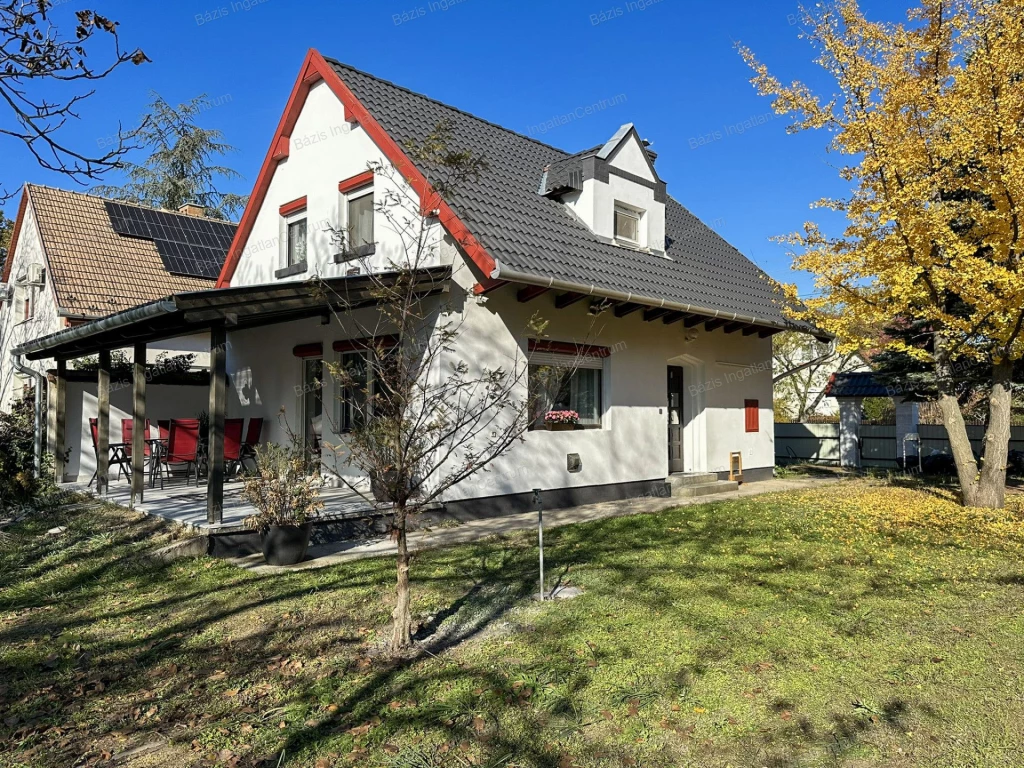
x=18 y=485
x=281 y=490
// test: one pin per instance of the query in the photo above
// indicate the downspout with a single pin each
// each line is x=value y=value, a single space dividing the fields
x=819 y=359
x=40 y=383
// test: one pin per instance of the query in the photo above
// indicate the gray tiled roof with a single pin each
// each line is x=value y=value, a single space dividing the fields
x=856 y=384
x=537 y=236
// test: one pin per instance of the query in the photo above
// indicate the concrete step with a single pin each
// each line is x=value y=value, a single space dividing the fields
x=680 y=479
x=705 y=489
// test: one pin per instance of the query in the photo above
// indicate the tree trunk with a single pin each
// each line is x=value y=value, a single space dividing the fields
x=991 y=491
x=401 y=637
x=956 y=429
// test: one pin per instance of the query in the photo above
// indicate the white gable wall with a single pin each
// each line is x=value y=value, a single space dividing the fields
x=631 y=157
x=45 y=320
x=324 y=150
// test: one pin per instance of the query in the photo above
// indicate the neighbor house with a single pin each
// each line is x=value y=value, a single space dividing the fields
x=676 y=323
x=75 y=258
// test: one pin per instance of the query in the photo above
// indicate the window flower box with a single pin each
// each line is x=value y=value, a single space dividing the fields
x=561 y=421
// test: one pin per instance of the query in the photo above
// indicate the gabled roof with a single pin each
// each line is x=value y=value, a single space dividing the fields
x=855 y=384
x=530 y=234
x=94 y=270
x=506 y=225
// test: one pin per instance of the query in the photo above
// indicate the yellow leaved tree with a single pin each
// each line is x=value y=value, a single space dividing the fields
x=930 y=116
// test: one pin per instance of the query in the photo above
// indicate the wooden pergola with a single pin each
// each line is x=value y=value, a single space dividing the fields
x=216 y=312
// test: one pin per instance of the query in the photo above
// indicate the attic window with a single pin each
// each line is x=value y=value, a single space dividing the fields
x=627 y=225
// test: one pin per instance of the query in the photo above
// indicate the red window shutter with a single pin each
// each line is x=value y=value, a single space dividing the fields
x=750 y=413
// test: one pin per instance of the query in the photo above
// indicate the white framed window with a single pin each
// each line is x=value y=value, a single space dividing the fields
x=357 y=213
x=297 y=238
x=627 y=224
x=353 y=400
x=294 y=238
x=564 y=382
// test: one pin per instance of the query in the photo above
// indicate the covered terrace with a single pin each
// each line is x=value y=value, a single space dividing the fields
x=218 y=312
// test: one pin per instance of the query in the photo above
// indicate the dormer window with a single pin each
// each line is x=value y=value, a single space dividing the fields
x=614 y=190
x=627 y=225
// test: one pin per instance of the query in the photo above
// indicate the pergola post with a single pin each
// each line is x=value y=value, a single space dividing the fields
x=215 y=442
x=103 y=423
x=138 y=422
x=850 y=410
x=60 y=420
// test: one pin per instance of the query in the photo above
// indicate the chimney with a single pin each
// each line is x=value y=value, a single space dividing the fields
x=191 y=209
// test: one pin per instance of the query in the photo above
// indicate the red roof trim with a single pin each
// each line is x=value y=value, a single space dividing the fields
x=567 y=348
x=282 y=147
x=352 y=345
x=355 y=182
x=315 y=349
x=294 y=206
x=313 y=69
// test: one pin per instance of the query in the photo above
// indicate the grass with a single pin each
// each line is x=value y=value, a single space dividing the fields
x=860 y=624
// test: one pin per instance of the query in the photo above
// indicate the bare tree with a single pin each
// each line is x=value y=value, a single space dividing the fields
x=32 y=54
x=418 y=419
x=800 y=394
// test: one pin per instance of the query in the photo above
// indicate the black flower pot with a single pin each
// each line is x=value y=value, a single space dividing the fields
x=285 y=544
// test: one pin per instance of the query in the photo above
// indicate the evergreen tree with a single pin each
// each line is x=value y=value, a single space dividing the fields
x=180 y=168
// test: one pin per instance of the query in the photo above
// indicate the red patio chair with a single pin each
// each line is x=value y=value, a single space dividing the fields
x=116 y=456
x=127 y=425
x=232 y=445
x=252 y=439
x=183 y=447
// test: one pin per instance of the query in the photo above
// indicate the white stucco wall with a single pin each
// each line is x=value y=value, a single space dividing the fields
x=324 y=150
x=723 y=370
x=45 y=321
x=162 y=402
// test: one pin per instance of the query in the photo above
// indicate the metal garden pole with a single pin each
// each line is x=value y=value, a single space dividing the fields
x=540 y=536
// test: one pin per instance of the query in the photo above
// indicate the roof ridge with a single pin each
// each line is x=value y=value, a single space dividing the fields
x=127 y=202
x=335 y=62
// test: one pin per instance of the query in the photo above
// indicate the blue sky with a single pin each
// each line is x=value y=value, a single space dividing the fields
x=668 y=66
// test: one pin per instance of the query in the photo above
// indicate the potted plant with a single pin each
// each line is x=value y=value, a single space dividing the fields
x=558 y=421
x=286 y=499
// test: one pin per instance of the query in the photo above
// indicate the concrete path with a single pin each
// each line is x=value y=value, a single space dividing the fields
x=341 y=552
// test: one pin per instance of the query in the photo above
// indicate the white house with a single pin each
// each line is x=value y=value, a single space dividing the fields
x=676 y=322
x=75 y=258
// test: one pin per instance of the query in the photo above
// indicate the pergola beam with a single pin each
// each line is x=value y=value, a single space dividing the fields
x=103 y=423
x=215 y=443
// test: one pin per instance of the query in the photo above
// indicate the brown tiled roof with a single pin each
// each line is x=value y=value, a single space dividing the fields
x=95 y=271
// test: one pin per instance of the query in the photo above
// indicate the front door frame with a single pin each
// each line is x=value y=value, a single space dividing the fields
x=695 y=443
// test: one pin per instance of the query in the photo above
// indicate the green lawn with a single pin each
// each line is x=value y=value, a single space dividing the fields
x=854 y=625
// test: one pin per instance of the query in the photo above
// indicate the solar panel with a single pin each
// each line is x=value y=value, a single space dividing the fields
x=187 y=245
